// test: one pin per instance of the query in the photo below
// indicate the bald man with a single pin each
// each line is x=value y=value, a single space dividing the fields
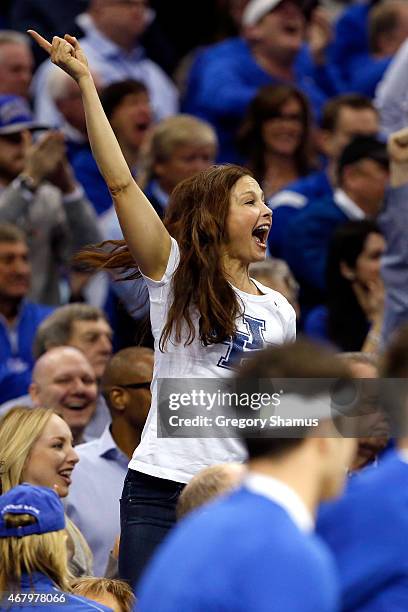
x=99 y=475
x=208 y=484
x=64 y=380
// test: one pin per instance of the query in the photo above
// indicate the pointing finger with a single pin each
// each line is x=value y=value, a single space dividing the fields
x=40 y=40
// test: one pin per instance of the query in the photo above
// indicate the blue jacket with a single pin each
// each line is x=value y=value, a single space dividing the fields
x=307 y=240
x=225 y=78
x=39 y=584
x=16 y=359
x=88 y=174
x=351 y=39
x=243 y=553
x=367 y=531
x=286 y=204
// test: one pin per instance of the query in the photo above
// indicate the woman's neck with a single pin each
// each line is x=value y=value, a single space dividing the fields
x=237 y=274
x=279 y=171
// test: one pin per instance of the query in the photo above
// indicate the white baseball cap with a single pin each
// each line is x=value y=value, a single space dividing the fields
x=256 y=9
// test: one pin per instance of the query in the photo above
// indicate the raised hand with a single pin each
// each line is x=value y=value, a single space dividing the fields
x=66 y=53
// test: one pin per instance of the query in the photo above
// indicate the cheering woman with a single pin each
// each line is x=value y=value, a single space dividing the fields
x=206 y=312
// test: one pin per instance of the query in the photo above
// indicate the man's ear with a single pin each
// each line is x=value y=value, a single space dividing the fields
x=118 y=398
x=324 y=142
x=34 y=392
x=251 y=33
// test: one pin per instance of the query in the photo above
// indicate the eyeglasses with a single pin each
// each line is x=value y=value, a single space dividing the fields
x=298 y=117
x=15 y=138
x=142 y=385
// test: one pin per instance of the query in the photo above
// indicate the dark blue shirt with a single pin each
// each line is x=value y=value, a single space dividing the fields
x=243 y=554
x=367 y=530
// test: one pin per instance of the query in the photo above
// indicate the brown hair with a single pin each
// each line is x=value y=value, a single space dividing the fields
x=383 y=21
x=119 y=589
x=266 y=105
x=331 y=110
x=196 y=218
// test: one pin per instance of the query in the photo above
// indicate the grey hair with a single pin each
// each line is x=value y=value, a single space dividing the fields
x=274 y=268
x=57 y=83
x=56 y=329
x=14 y=37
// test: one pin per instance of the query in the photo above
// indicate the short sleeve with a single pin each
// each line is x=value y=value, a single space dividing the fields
x=172 y=265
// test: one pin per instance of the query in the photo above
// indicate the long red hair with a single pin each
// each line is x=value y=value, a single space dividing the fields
x=196 y=217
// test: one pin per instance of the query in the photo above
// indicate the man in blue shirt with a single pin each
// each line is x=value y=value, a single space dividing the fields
x=19 y=318
x=343 y=117
x=362 y=180
x=226 y=77
x=367 y=529
x=255 y=550
x=103 y=462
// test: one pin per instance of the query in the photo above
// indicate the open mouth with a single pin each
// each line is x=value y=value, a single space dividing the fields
x=261 y=235
x=66 y=476
x=77 y=406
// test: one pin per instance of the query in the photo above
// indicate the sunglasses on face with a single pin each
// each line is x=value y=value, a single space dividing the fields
x=142 y=385
x=16 y=138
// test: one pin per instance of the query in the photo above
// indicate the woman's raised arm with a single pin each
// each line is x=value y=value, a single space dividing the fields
x=145 y=234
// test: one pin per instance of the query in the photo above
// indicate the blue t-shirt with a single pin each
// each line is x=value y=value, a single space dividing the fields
x=243 y=553
x=367 y=531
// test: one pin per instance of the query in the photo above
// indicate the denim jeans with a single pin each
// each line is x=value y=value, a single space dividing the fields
x=147 y=512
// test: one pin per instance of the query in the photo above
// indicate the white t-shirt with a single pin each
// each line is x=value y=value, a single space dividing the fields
x=268 y=319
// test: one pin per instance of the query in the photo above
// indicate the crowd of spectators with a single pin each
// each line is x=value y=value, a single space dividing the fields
x=311 y=98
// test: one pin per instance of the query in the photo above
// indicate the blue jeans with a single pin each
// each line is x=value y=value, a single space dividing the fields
x=147 y=512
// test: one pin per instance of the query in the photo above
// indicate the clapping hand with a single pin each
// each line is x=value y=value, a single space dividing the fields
x=65 y=53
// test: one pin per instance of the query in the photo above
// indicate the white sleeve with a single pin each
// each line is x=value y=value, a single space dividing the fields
x=172 y=265
x=392 y=93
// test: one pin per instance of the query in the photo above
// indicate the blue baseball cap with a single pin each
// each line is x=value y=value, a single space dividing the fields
x=40 y=502
x=16 y=116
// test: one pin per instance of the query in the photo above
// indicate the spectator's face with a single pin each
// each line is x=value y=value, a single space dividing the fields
x=247 y=212
x=281 y=32
x=125 y=18
x=94 y=339
x=350 y=123
x=138 y=400
x=15 y=270
x=368 y=263
x=52 y=458
x=71 y=107
x=68 y=386
x=185 y=161
x=373 y=420
x=282 y=135
x=16 y=69
x=13 y=148
x=132 y=119
x=366 y=182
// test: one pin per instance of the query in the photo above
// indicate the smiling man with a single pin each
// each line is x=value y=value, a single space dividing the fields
x=63 y=380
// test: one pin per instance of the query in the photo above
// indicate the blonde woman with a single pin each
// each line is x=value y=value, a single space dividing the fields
x=36 y=447
x=33 y=569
